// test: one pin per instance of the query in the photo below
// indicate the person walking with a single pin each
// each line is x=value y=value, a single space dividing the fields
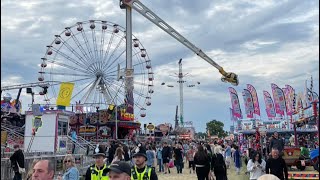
x=202 y=163
x=178 y=155
x=277 y=143
x=151 y=157
x=277 y=166
x=140 y=171
x=119 y=155
x=166 y=156
x=190 y=158
x=17 y=162
x=71 y=172
x=126 y=153
x=218 y=165
x=98 y=171
x=159 y=158
x=228 y=156
x=237 y=159
x=256 y=166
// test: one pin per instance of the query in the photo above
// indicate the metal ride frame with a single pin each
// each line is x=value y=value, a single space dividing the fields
x=147 y=13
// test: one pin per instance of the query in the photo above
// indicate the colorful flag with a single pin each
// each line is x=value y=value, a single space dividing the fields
x=290 y=99
x=254 y=98
x=248 y=102
x=65 y=94
x=279 y=99
x=232 y=117
x=235 y=103
x=271 y=113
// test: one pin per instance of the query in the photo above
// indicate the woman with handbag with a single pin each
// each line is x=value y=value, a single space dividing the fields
x=17 y=163
x=72 y=172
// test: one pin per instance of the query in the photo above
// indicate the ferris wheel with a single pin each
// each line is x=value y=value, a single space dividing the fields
x=92 y=55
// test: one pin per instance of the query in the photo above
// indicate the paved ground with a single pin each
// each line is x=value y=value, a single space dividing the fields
x=187 y=176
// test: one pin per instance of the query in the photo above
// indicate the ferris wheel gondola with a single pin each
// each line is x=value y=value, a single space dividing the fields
x=91 y=54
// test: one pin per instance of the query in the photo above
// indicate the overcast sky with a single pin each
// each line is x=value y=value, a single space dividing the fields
x=263 y=41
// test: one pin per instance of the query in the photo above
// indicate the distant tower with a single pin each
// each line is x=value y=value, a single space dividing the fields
x=176 y=120
x=181 y=81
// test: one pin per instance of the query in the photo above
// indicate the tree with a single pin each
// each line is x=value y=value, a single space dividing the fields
x=201 y=134
x=216 y=128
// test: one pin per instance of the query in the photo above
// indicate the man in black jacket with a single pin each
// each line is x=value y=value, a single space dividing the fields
x=17 y=159
x=277 y=143
x=277 y=166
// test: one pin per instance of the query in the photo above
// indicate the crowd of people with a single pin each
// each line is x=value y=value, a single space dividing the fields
x=143 y=161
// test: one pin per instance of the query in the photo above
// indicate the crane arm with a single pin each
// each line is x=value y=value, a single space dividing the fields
x=41 y=84
x=147 y=13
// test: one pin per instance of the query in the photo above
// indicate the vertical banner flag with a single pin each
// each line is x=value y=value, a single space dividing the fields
x=65 y=94
x=248 y=102
x=232 y=117
x=235 y=103
x=271 y=113
x=287 y=98
x=279 y=99
x=289 y=94
x=254 y=98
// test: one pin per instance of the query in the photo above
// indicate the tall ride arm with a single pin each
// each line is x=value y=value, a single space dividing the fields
x=147 y=13
x=41 y=84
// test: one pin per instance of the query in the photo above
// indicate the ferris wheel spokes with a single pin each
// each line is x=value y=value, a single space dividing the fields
x=80 y=91
x=72 y=50
x=105 y=67
x=64 y=65
x=67 y=74
x=87 y=94
x=84 y=67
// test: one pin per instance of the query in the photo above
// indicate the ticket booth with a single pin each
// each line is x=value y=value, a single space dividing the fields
x=51 y=131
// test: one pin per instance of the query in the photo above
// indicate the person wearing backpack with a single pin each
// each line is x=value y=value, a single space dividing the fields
x=218 y=165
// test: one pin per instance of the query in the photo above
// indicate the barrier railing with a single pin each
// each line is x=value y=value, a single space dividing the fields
x=82 y=163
